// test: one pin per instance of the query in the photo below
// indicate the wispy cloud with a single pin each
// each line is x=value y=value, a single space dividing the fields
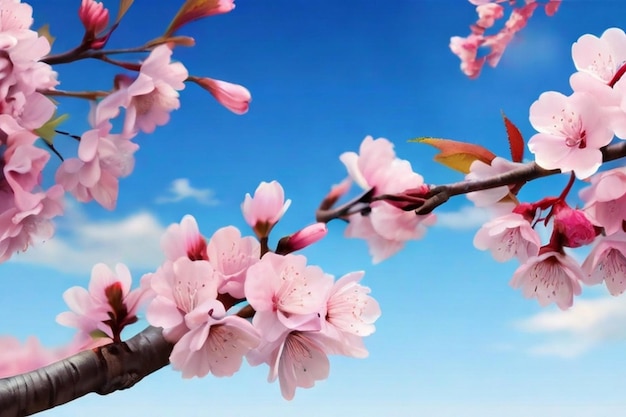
x=466 y=218
x=81 y=243
x=571 y=333
x=181 y=189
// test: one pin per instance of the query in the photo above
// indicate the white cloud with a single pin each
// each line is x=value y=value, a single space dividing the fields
x=80 y=243
x=573 y=332
x=467 y=218
x=181 y=189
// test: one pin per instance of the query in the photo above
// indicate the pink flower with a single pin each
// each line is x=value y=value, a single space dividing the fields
x=605 y=199
x=350 y=315
x=607 y=262
x=488 y=13
x=467 y=49
x=551 y=277
x=215 y=343
x=151 y=97
x=507 y=237
x=184 y=240
x=571 y=132
x=231 y=255
x=479 y=170
x=180 y=287
x=266 y=208
x=552 y=6
x=234 y=97
x=18 y=358
x=302 y=238
x=385 y=227
x=107 y=307
x=286 y=294
x=94 y=16
x=102 y=159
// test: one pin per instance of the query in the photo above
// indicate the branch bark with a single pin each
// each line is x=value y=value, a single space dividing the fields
x=102 y=370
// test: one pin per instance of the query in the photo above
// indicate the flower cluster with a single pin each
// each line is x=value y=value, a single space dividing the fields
x=299 y=316
x=489 y=11
x=573 y=133
x=148 y=94
x=384 y=225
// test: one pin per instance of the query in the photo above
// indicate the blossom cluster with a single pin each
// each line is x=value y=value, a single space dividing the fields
x=489 y=11
x=573 y=133
x=205 y=292
x=384 y=224
x=27 y=113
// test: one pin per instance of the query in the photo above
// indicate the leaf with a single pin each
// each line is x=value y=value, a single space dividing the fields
x=45 y=32
x=516 y=141
x=48 y=130
x=124 y=6
x=196 y=9
x=457 y=155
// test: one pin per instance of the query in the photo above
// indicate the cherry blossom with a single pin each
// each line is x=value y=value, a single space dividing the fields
x=385 y=227
x=286 y=293
x=507 y=237
x=184 y=239
x=607 y=263
x=266 y=208
x=550 y=277
x=179 y=287
x=605 y=199
x=215 y=343
x=571 y=132
x=231 y=255
x=107 y=307
x=350 y=315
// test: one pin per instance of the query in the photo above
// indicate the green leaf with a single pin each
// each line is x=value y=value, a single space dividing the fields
x=516 y=141
x=457 y=155
x=47 y=131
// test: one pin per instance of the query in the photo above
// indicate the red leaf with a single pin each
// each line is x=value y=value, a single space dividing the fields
x=516 y=141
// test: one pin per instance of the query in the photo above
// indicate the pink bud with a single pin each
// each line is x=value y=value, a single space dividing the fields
x=234 y=97
x=302 y=238
x=94 y=16
x=266 y=208
x=573 y=226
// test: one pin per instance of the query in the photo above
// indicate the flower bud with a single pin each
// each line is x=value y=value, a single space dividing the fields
x=94 y=16
x=302 y=238
x=266 y=208
x=573 y=226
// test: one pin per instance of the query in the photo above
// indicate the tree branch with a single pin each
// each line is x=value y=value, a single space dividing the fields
x=102 y=370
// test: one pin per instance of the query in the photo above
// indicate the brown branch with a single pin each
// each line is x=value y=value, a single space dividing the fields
x=102 y=370
x=439 y=194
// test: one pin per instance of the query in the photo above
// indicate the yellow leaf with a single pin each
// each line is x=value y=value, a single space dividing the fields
x=457 y=155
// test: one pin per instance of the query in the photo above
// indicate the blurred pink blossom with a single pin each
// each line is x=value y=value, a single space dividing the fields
x=385 y=227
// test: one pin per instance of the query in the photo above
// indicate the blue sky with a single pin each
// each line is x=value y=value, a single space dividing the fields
x=454 y=339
